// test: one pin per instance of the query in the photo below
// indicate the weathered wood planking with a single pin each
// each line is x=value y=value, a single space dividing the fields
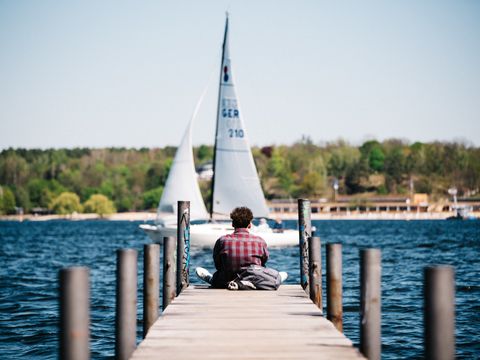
x=205 y=323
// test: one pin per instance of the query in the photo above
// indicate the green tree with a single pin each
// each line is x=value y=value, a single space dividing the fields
x=204 y=153
x=41 y=191
x=87 y=192
x=372 y=151
x=7 y=201
x=13 y=169
x=58 y=159
x=376 y=159
x=122 y=194
x=152 y=197
x=21 y=198
x=472 y=171
x=312 y=184
x=157 y=174
x=107 y=188
x=415 y=160
x=99 y=204
x=125 y=176
x=278 y=168
x=340 y=157
x=154 y=176
x=124 y=203
x=394 y=168
x=434 y=154
x=336 y=165
x=66 y=203
x=71 y=179
x=356 y=175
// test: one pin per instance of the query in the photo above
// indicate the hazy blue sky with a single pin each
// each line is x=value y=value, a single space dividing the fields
x=129 y=73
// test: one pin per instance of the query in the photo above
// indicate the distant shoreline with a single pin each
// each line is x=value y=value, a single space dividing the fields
x=150 y=216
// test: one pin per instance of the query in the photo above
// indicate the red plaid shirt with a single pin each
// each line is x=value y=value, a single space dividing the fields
x=238 y=250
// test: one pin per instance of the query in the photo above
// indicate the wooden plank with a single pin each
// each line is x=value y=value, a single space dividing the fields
x=205 y=323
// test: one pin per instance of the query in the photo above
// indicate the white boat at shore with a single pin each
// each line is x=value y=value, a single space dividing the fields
x=205 y=235
x=235 y=179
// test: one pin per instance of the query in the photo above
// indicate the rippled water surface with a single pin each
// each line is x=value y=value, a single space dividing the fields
x=32 y=253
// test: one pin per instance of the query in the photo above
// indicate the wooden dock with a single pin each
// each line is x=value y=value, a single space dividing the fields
x=205 y=323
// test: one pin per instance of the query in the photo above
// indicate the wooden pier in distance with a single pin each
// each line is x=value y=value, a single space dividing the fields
x=204 y=323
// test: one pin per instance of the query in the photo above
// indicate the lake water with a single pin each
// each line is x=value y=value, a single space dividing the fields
x=31 y=254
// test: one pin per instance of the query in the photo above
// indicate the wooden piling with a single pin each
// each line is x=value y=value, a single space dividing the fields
x=334 y=285
x=126 y=306
x=439 y=312
x=183 y=245
x=74 y=313
x=151 y=285
x=305 y=231
x=370 y=303
x=169 y=288
x=315 y=271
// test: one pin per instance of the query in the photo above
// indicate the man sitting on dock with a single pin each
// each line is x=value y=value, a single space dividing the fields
x=240 y=258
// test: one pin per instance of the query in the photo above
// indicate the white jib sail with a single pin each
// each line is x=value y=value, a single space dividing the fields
x=182 y=182
x=236 y=181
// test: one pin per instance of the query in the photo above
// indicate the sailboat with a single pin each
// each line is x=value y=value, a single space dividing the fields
x=235 y=179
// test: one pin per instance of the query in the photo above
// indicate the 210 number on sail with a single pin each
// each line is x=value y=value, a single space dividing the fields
x=235 y=133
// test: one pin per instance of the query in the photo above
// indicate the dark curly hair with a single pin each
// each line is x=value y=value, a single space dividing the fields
x=241 y=217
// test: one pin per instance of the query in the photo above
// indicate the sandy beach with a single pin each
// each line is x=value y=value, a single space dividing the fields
x=126 y=216
x=150 y=216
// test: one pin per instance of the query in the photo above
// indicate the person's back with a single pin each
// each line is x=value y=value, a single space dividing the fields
x=233 y=253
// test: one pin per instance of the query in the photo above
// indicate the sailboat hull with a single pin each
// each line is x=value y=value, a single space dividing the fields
x=205 y=235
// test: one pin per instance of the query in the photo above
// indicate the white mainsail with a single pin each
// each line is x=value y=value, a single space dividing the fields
x=182 y=182
x=235 y=181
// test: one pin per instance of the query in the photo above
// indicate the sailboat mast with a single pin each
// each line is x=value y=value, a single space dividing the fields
x=218 y=117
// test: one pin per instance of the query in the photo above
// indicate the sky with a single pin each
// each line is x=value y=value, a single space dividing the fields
x=129 y=73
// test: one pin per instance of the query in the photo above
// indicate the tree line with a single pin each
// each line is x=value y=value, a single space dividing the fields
x=67 y=180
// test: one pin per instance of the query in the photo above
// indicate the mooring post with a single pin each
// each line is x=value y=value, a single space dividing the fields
x=126 y=306
x=169 y=288
x=74 y=313
x=439 y=312
x=183 y=245
x=370 y=303
x=334 y=285
x=305 y=231
x=315 y=270
x=151 y=285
